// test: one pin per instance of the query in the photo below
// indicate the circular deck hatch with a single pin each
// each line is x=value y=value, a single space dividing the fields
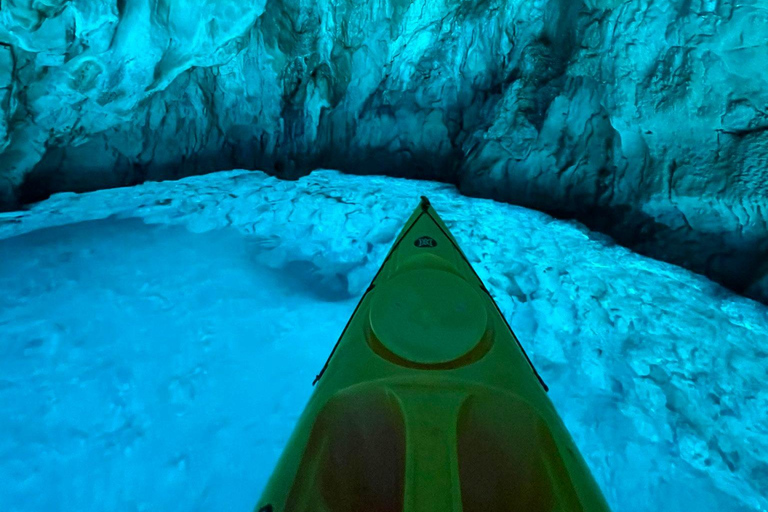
x=428 y=316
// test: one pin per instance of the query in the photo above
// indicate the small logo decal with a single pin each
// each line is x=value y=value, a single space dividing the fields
x=425 y=241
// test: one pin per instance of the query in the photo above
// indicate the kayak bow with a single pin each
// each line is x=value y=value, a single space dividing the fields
x=428 y=403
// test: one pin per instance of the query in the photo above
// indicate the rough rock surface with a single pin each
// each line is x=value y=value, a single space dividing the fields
x=645 y=119
x=658 y=373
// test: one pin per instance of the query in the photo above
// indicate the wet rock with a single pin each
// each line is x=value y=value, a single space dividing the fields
x=646 y=120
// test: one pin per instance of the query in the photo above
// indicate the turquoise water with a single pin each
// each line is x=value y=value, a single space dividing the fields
x=149 y=368
x=158 y=343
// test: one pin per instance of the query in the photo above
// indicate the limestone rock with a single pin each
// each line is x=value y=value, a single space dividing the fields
x=644 y=119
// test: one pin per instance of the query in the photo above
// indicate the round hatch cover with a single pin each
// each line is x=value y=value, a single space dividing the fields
x=428 y=316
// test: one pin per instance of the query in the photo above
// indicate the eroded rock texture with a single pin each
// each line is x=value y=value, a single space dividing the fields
x=644 y=118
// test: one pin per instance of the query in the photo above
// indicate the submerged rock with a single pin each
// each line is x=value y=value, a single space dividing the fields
x=149 y=366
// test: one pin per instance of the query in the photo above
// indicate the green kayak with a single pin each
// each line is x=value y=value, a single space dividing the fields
x=428 y=403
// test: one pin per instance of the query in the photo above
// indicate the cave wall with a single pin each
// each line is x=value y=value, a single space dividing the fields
x=644 y=119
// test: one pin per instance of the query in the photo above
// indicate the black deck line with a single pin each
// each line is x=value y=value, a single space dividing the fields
x=482 y=286
x=370 y=287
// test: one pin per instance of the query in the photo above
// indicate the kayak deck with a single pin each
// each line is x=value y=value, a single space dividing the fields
x=428 y=403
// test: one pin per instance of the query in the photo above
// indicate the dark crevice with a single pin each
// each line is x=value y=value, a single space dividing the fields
x=743 y=132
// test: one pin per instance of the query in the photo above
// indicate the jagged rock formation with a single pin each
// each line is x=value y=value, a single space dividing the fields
x=644 y=119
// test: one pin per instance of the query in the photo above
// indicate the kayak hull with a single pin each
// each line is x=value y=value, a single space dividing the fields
x=429 y=403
